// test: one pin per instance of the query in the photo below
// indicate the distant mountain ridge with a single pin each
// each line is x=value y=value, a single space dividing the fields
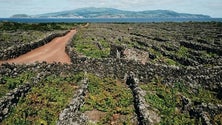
x=92 y=12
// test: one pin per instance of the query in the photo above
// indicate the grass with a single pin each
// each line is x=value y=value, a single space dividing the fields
x=109 y=96
x=44 y=102
x=167 y=100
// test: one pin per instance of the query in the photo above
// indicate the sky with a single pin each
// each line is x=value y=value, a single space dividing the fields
x=212 y=8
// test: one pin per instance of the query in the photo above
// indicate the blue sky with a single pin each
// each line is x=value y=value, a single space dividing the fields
x=32 y=7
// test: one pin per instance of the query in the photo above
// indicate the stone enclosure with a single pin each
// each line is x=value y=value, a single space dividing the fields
x=192 y=71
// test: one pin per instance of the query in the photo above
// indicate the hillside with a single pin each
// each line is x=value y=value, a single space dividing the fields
x=115 y=13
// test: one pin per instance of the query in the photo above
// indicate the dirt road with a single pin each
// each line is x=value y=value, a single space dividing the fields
x=54 y=51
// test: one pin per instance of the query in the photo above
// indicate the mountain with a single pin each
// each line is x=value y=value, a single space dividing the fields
x=115 y=13
x=20 y=16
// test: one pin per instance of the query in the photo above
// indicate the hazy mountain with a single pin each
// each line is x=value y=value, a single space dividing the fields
x=115 y=13
x=20 y=16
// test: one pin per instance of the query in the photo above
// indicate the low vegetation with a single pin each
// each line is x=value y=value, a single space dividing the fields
x=168 y=100
x=9 y=83
x=44 y=102
x=13 y=26
x=112 y=98
x=164 y=43
x=91 y=47
x=161 y=40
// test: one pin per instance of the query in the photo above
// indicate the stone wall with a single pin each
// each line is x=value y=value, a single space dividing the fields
x=110 y=67
x=146 y=114
x=18 y=50
x=11 y=99
x=209 y=77
x=71 y=115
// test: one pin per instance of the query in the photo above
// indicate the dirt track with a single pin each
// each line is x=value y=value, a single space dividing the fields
x=54 y=51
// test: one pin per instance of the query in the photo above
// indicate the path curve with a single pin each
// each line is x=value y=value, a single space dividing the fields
x=54 y=51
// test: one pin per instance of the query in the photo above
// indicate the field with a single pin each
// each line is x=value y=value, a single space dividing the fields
x=121 y=73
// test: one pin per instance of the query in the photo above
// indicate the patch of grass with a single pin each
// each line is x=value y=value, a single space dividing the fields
x=109 y=96
x=44 y=102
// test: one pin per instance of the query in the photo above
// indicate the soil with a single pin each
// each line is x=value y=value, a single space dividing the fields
x=54 y=51
x=95 y=115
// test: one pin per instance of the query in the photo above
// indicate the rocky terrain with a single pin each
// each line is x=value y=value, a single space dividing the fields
x=142 y=73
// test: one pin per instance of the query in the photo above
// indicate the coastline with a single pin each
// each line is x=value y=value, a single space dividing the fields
x=108 y=20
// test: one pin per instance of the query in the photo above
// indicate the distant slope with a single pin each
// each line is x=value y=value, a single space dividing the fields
x=20 y=16
x=115 y=13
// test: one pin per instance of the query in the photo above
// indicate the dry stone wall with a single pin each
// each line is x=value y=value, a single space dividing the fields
x=18 y=50
x=11 y=99
x=71 y=115
x=146 y=114
x=209 y=77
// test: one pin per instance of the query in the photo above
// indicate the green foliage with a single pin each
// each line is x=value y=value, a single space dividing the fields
x=36 y=26
x=170 y=61
x=45 y=101
x=109 y=96
x=167 y=99
x=89 y=47
x=182 y=52
x=13 y=82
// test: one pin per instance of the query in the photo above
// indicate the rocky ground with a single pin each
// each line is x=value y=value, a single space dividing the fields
x=142 y=73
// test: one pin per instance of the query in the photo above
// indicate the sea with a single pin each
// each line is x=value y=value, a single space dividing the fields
x=108 y=20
